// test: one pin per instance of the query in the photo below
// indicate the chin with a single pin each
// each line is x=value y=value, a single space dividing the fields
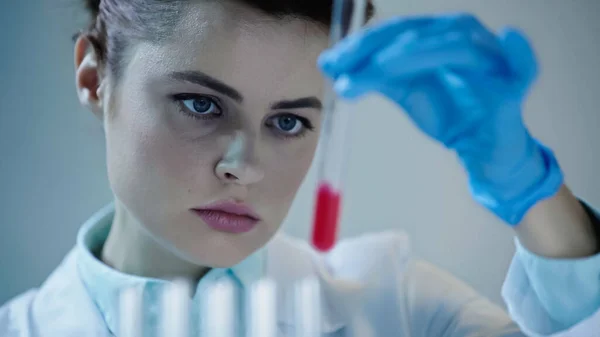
x=216 y=253
x=225 y=263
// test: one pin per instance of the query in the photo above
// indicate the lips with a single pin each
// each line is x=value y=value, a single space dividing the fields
x=228 y=217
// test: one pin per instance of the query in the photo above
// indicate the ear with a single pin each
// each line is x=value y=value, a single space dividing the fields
x=89 y=81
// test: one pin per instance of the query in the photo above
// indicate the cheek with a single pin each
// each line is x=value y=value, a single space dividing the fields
x=286 y=168
x=151 y=160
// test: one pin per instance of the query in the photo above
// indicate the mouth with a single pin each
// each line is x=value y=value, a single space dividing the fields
x=228 y=217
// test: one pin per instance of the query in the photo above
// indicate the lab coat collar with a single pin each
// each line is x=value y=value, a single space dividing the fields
x=104 y=283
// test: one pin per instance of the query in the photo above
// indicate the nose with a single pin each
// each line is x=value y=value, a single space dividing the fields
x=238 y=164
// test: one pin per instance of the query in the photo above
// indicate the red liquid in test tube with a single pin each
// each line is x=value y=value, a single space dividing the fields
x=327 y=212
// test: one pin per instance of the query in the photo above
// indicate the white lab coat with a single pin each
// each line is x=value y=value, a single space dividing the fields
x=374 y=275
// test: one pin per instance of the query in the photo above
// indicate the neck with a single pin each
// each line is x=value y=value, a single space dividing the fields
x=130 y=249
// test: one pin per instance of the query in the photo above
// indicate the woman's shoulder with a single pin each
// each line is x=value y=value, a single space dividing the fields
x=41 y=312
x=14 y=312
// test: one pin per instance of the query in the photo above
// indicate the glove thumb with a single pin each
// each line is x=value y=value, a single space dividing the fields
x=520 y=57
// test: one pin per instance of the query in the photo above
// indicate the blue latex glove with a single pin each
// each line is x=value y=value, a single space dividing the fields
x=464 y=86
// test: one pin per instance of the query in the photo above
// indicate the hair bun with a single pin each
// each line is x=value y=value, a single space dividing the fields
x=93 y=6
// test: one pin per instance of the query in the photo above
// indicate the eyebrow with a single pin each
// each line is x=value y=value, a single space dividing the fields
x=205 y=80
x=301 y=103
x=208 y=81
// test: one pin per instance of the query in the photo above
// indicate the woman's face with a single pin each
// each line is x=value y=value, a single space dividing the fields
x=228 y=111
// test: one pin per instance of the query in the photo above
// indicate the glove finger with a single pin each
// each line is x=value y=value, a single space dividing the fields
x=351 y=88
x=431 y=104
x=453 y=51
x=494 y=110
x=443 y=104
x=470 y=26
x=432 y=101
x=455 y=108
x=520 y=57
x=401 y=34
x=354 y=49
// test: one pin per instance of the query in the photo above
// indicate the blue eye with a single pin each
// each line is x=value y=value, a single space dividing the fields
x=199 y=105
x=290 y=125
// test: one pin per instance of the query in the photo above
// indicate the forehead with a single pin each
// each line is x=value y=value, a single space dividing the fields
x=250 y=51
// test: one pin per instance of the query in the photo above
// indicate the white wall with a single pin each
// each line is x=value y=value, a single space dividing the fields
x=52 y=167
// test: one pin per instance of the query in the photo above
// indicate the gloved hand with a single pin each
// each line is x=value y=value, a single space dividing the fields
x=464 y=86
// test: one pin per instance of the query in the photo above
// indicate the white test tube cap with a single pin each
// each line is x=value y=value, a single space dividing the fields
x=218 y=314
x=175 y=309
x=263 y=309
x=307 y=310
x=130 y=312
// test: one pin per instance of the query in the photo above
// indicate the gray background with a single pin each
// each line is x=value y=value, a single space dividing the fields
x=52 y=169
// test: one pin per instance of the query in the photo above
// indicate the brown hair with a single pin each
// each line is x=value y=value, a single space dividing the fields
x=115 y=23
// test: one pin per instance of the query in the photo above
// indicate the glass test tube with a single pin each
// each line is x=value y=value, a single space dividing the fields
x=348 y=17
